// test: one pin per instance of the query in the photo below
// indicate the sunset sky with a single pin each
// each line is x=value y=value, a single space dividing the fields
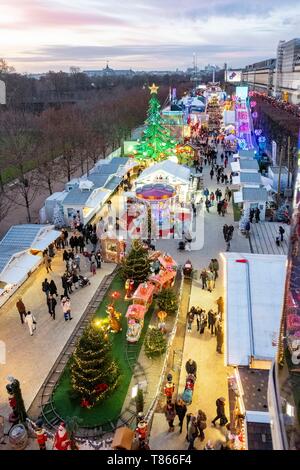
x=41 y=35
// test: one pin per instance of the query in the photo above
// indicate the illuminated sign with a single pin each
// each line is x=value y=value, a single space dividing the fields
x=233 y=76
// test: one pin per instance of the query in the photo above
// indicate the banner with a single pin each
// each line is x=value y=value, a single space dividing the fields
x=274 y=152
x=233 y=76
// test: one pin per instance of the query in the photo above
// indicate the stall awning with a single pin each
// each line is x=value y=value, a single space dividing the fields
x=18 y=270
x=42 y=243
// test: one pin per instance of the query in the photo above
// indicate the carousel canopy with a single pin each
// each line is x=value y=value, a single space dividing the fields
x=155 y=192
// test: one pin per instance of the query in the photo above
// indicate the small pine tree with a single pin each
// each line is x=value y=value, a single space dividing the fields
x=136 y=264
x=139 y=401
x=58 y=216
x=155 y=343
x=167 y=301
x=94 y=374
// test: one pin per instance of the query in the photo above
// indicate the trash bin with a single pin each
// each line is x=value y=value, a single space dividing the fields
x=18 y=437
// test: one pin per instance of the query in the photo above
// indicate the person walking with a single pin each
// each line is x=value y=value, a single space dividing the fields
x=64 y=284
x=52 y=288
x=192 y=432
x=47 y=262
x=220 y=304
x=190 y=320
x=93 y=263
x=203 y=321
x=212 y=198
x=219 y=207
x=21 y=309
x=211 y=321
x=51 y=302
x=66 y=308
x=77 y=260
x=257 y=215
x=215 y=267
x=207 y=204
x=251 y=215
x=247 y=228
x=170 y=414
x=181 y=409
x=204 y=278
x=46 y=287
x=220 y=337
x=220 y=404
x=98 y=259
x=281 y=232
x=191 y=367
x=225 y=231
x=210 y=280
x=201 y=424
x=31 y=322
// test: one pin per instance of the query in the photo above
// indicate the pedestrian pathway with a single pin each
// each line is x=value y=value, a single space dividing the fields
x=29 y=358
x=211 y=373
x=263 y=238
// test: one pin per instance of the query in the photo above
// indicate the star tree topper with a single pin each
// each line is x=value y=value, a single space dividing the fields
x=153 y=88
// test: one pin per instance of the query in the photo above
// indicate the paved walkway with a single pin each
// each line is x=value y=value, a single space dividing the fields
x=263 y=238
x=29 y=358
x=212 y=374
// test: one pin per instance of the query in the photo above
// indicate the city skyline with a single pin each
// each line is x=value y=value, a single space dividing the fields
x=42 y=35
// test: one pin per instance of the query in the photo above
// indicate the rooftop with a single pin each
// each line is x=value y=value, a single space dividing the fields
x=248 y=164
x=259 y=436
x=254 y=194
x=255 y=387
x=253 y=304
x=254 y=177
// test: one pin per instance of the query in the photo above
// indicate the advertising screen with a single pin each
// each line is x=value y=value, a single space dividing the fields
x=233 y=76
x=241 y=92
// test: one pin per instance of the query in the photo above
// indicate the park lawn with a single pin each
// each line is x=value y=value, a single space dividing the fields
x=109 y=409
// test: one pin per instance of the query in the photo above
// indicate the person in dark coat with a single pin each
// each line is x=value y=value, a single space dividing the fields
x=281 y=232
x=21 y=309
x=81 y=243
x=46 y=287
x=251 y=215
x=257 y=215
x=64 y=284
x=65 y=256
x=211 y=321
x=204 y=278
x=211 y=173
x=220 y=404
x=51 y=302
x=201 y=423
x=170 y=414
x=72 y=242
x=191 y=367
x=53 y=288
x=181 y=410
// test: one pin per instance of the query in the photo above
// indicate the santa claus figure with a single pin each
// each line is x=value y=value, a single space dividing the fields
x=61 y=438
x=41 y=438
x=142 y=429
x=169 y=387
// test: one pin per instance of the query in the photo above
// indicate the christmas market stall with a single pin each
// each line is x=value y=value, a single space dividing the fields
x=113 y=250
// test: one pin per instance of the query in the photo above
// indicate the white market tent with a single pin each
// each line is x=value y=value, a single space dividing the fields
x=168 y=171
x=253 y=304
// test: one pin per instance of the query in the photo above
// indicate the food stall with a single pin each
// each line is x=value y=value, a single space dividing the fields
x=113 y=250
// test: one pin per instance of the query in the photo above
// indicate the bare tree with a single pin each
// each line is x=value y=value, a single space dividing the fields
x=20 y=141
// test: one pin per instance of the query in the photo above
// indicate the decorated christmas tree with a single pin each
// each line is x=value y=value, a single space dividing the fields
x=136 y=264
x=155 y=343
x=58 y=216
x=94 y=374
x=156 y=143
x=167 y=301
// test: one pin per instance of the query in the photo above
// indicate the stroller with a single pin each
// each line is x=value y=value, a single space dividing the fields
x=83 y=281
x=187 y=395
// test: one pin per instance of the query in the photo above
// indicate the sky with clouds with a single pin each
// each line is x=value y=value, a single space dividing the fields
x=41 y=35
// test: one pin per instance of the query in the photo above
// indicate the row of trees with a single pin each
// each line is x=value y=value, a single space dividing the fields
x=38 y=150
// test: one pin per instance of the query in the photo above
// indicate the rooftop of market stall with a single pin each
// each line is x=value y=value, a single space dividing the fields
x=254 y=288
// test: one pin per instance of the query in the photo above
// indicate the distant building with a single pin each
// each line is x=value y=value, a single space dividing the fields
x=109 y=72
x=278 y=76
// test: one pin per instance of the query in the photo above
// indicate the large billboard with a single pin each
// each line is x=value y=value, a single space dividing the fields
x=233 y=76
